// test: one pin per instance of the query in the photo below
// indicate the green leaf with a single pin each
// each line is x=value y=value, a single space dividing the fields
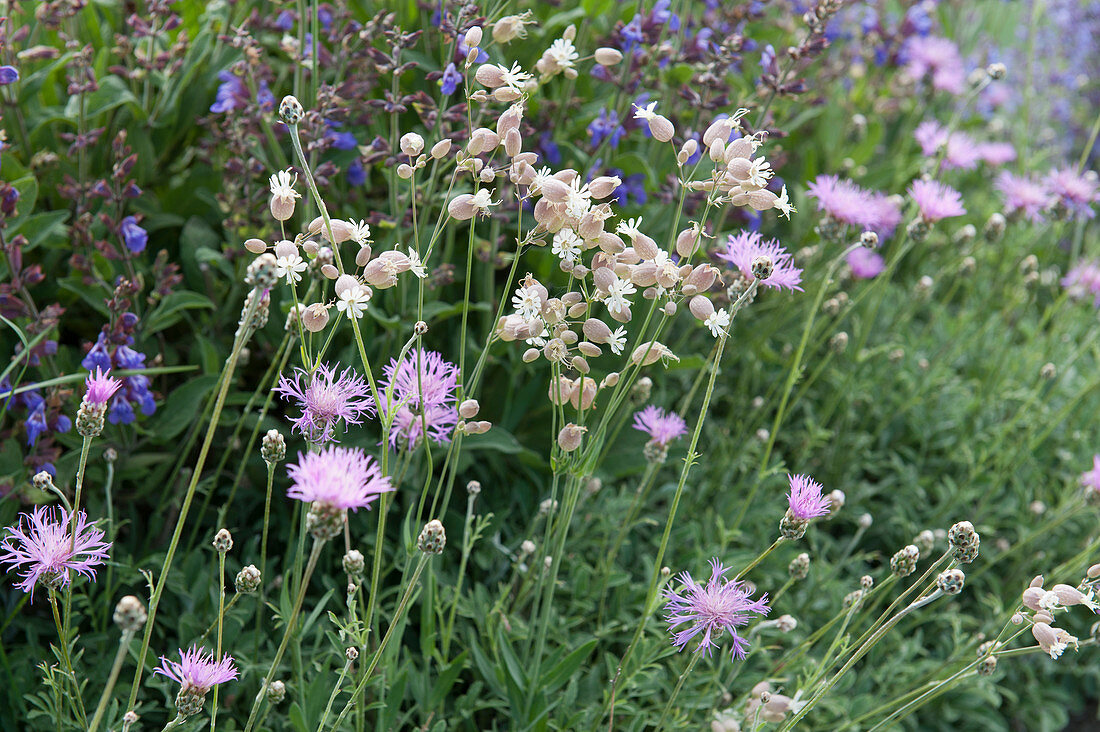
x=183 y=406
x=169 y=311
x=111 y=94
x=565 y=668
x=446 y=680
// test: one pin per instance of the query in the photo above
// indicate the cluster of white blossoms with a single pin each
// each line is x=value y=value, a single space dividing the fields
x=1047 y=604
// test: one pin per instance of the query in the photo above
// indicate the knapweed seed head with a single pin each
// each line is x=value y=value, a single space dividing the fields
x=41 y=546
x=290 y=110
x=248 y=580
x=130 y=614
x=987 y=666
x=223 y=541
x=276 y=692
x=799 y=567
x=273 y=447
x=961 y=533
x=261 y=273
x=904 y=562
x=432 y=538
x=951 y=581
x=705 y=612
x=325 y=399
x=196 y=672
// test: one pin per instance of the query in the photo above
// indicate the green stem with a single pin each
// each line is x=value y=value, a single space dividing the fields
x=334 y=694
x=676 y=691
x=116 y=667
x=221 y=616
x=67 y=659
x=752 y=565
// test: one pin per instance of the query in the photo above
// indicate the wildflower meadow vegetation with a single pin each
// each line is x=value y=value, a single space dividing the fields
x=549 y=365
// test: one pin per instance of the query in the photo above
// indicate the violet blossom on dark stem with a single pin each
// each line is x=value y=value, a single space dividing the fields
x=707 y=611
x=41 y=546
x=805 y=501
x=325 y=399
x=936 y=200
x=422 y=387
x=338 y=477
x=865 y=263
x=743 y=248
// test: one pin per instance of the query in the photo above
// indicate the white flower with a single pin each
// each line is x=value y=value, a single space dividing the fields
x=567 y=245
x=578 y=199
x=717 y=321
x=617 y=342
x=290 y=266
x=415 y=265
x=760 y=173
x=282 y=184
x=617 y=294
x=514 y=78
x=353 y=301
x=629 y=228
x=360 y=232
x=540 y=340
x=784 y=204
x=482 y=200
x=646 y=112
x=563 y=53
x=1049 y=601
x=526 y=301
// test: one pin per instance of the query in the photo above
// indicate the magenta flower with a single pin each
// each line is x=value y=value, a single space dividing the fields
x=936 y=200
x=719 y=606
x=865 y=263
x=197 y=670
x=661 y=427
x=1083 y=280
x=1024 y=194
x=743 y=248
x=805 y=499
x=423 y=392
x=1091 y=479
x=42 y=548
x=996 y=153
x=340 y=477
x=960 y=150
x=325 y=399
x=101 y=387
x=1074 y=191
x=849 y=204
x=936 y=56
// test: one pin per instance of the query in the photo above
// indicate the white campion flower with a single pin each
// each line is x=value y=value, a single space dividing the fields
x=283 y=194
x=617 y=341
x=578 y=199
x=290 y=266
x=617 y=293
x=718 y=321
x=760 y=173
x=659 y=126
x=415 y=265
x=353 y=301
x=566 y=245
x=783 y=205
x=629 y=228
x=360 y=232
x=563 y=54
x=515 y=78
x=527 y=303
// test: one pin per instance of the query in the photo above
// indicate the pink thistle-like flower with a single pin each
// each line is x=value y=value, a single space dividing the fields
x=805 y=499
x=960 y=149
x=865 y=263
x=423 y=392
x=936 y=200
x=849 y=204
x=743 y=248
x=995 y=153
x=339 y=477
x=101 y=387
x=42 y=548
x=1091 y=479
x=939 y=57
x=325 y=399
x=662 y=427
x=1024 y=194
x=1083 y=280
x=719 y=606
x=1074 y=191
x=197 y=670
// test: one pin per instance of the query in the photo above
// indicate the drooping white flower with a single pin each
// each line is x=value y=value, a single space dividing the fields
x=415 y=265
x=717 y=321
x=578 y=199
x=527 y=303
x=617 y=342
x=647 y=112
x=353 y=301
x=629 y=228
x=563 y=53
x=783 y=205
x=290 y=266
x=360 y=232
x=617 y=293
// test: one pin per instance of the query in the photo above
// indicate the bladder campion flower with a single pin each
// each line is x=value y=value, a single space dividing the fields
x=709 y=610
x=43 y=549
x=196 y=672
x=325 y=399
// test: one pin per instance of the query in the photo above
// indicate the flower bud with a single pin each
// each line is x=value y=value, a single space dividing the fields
x=290 y=110
x=273 y=447
x=951 y=581
x=248 y=580
x=432 y=538
x=570 y=437
x=469 y=409
x=256 y=246
x=130 y=614
x=354 y=563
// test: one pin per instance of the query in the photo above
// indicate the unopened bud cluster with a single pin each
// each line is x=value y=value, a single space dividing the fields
x=799 y=567
x=432 y=538
x=904 y=562
x=951 y=581
x=248 y=580
x=273 y=447
x=964 y=541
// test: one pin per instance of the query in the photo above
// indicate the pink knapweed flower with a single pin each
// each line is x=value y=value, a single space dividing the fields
x=41 y=546
x=339 y=477
x=1091 y=478
x=1024 y=194
x=849 y=204
x=101 y=386
x=423 y=393
x=1077 y=192
x=743 y=248
x=995 y=153
x=865 y=263
x=960 y=149
x=1083 y=280
x=662 y=427
x=936 y=56
x=325 y=398
x=197 y=670
x=709 y=610
x=936 y=200
x=805 y=500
